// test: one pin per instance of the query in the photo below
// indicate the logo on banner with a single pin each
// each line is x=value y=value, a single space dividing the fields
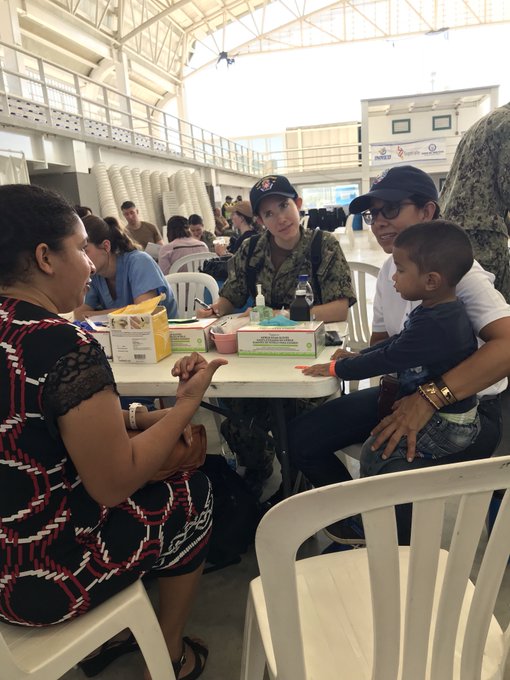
x=383 y=155
x=424 y=149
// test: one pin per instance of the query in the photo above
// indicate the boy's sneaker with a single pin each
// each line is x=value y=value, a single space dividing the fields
x=348 y=531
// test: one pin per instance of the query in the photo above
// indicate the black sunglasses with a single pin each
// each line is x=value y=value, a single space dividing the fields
x=388 y=210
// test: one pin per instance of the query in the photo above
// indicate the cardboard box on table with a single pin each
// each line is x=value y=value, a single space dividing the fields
x=140 y=333
x=102 y=335
x=98 y=328
x=307 y=339
x=191 y=336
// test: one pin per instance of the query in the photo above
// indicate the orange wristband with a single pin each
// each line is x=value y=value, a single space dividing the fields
x=332 y=371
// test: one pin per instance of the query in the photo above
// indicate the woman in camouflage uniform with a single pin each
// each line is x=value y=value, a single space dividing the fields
x=476 y=194
x=282 y=252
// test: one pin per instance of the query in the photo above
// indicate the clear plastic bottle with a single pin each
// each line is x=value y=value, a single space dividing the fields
x=304 y=284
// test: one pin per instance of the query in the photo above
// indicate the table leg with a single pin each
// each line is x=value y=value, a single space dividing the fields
x=282 y=446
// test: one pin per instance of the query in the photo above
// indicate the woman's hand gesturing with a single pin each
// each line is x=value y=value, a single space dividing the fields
x=195 y=374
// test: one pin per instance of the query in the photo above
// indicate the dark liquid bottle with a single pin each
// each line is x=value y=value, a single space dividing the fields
x=300 y=309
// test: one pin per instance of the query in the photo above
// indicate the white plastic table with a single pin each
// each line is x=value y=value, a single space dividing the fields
x=274 y=378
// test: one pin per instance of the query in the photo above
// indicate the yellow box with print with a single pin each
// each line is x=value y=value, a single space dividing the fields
x=140 y=333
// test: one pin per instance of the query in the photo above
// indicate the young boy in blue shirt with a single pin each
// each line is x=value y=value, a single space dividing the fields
x=430 y=259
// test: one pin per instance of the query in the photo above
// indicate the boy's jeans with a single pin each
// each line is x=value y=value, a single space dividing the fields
x=438 y=438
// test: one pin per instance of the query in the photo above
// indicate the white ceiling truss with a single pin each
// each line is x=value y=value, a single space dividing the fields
x=166 y=40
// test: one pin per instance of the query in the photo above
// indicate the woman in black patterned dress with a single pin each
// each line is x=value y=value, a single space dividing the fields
x=79 y=521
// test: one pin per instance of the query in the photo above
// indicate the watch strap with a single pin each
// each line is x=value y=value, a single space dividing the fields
x=133 y=407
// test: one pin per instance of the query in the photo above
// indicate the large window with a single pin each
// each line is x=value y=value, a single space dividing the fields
x=329 y=196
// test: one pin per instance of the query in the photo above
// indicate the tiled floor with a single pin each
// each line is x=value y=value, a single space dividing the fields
x=218 y=616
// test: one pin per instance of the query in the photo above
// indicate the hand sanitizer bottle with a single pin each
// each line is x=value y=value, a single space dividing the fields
x=260 y=312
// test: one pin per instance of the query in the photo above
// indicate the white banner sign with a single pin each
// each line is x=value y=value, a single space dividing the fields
x=408 y=152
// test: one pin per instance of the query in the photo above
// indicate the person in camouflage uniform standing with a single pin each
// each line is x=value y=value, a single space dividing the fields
x=281 y=254
x=476 y=194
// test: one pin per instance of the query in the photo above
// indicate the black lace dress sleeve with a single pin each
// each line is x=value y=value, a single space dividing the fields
x=76 y=377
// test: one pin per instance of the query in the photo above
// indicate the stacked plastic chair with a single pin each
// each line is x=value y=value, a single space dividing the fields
x=107 y=205
x=183 y=194
x=120 y=193
x=145 y=180
x=170 y=205
x=156 y=197
x=130 y=187
x=140 y=201
x=205 y=208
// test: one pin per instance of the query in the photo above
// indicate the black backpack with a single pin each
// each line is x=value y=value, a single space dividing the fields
x=315 y=257
x=217 y=267
x=236 y=514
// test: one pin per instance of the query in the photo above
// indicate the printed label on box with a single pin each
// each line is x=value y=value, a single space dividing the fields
x=305 y=340
x=191 y=337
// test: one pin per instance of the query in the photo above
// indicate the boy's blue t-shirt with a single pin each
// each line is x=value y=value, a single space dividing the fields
x=136 y=274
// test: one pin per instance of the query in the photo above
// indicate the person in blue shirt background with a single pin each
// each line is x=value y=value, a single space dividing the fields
x=124 y=275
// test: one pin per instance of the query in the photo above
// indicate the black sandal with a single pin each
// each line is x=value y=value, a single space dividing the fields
x=107 y=653
x=199 y=651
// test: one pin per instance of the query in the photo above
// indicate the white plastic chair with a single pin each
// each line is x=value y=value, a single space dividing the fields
x=383 y=612
x=189 y=285
x=349 y=232
x=193 y=262
x=358 y=337
x=359 y=326
x=47 y=653
x=359 y=331
x=186 y=286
